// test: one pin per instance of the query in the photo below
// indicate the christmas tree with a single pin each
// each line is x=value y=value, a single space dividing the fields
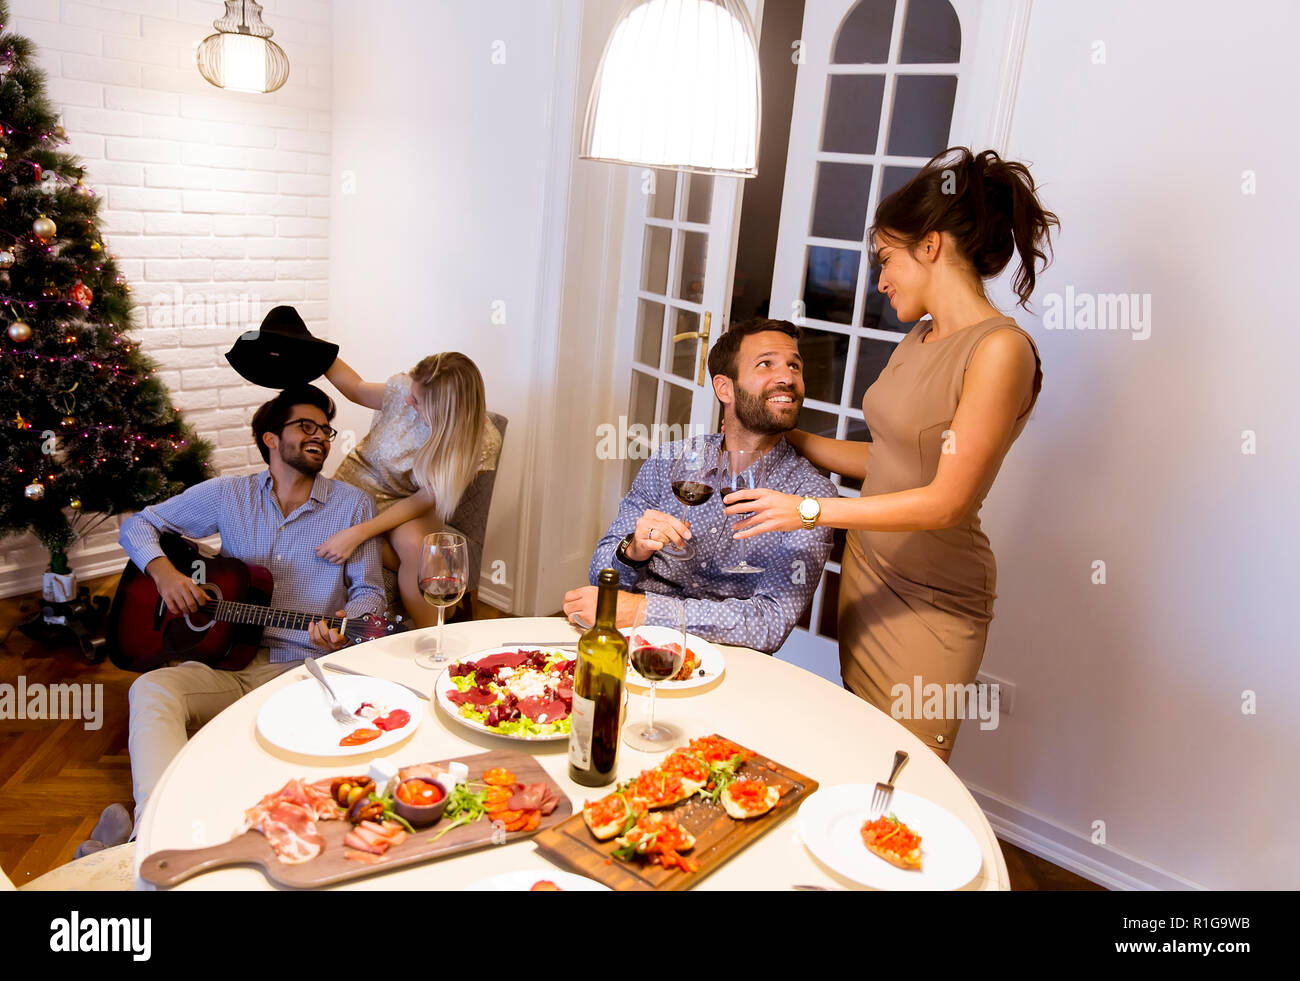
x=87 y=430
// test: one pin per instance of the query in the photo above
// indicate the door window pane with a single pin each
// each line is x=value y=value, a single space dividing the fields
x=690 y=284
x=857 y=430
x=649 y=332
x=664 y=194
x=896 y=177
x=700 y=199
x=852 y=121
x=642 y=407
x=922 y=114
x=654 y=264
x=840 y=201
x=684 y=352
x=679 y=407
x=873 y=355
x=825 y=355
x=931 y=33
x=830 y=281
x=863 y=38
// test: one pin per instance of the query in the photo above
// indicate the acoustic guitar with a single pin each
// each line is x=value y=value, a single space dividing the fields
x=226 y=632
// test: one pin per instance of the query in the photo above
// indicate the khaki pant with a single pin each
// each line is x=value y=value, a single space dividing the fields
x=168 y=705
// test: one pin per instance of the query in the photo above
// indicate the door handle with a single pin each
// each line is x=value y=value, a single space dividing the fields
x=703 y=335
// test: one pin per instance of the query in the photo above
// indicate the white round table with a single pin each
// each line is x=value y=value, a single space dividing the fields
x=783 y=712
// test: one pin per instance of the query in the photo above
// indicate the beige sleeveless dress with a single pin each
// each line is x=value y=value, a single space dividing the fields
x=918 y=603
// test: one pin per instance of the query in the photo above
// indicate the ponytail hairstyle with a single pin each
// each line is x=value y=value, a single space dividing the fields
x=449 y=390
x=988 y=205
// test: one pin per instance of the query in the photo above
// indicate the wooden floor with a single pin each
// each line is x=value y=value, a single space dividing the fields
x=56 y=777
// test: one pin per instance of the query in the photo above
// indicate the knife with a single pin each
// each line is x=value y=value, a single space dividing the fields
x=361 y=674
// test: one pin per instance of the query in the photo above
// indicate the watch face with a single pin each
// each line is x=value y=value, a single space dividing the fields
x=809 y=508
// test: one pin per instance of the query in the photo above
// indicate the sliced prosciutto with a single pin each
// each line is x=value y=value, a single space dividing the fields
x=287 y=818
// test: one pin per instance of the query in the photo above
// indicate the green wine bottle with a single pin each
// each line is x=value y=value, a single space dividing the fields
x=598 y=692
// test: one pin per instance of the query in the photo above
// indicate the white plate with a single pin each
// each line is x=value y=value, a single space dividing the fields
x=830 y=824
x=524 y=879
x=445 y=686
x=712 y=662
x=297 y=718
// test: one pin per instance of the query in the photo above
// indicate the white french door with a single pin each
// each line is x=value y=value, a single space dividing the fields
x=883 y=87
x=677 y=262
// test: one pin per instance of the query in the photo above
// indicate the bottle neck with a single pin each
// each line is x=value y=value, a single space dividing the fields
x=607 y=605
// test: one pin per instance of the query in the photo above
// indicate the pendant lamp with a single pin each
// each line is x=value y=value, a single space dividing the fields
x=241 y=56
x=677 y=87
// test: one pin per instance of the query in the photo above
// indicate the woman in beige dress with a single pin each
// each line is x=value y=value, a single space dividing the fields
x=918 y=579
x=430 y=437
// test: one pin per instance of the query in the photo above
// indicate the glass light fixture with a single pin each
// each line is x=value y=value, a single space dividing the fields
x=677 y=87
x=241 y=56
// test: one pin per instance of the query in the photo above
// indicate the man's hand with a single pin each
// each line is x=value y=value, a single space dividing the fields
x=181 y=593
x=341 y=544
x=323 y=637
x=654 y=530
x=582 y=601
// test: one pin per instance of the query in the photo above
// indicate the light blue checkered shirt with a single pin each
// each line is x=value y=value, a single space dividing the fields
x=244 y=510
x=755 y=610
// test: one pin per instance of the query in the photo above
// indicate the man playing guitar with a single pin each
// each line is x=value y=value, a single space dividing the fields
x=274 y=519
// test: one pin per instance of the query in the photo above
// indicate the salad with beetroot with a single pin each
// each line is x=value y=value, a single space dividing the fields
x=516 y=693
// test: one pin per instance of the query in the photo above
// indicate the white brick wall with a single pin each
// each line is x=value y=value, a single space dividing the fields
x=217 y=199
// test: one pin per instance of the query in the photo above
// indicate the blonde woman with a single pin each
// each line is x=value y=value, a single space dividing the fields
x=430 y=437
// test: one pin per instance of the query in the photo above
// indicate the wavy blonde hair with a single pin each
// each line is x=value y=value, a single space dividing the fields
x=449 y=390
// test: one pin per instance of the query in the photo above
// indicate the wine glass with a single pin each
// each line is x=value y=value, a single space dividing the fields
x=657 y=653
x=742 y=470
x=692 y=476
x=444 y=575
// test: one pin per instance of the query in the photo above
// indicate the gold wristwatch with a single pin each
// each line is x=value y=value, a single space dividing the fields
x=810 y=510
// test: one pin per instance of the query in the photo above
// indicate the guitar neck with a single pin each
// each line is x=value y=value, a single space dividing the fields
x=263 y=616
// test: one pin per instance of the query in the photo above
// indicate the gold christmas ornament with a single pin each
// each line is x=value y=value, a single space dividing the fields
x=34 y=491
x=19 y=331
x=44 y=228
x=7 y=259
x=50 y=291
x=96 y=247
x=69 y=421
x=75 y=504
x=3 y=155
x=19 y=421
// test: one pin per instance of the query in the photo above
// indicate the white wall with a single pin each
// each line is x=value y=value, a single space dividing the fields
x=1129 y=694
x=221 y=196
x=443 y=130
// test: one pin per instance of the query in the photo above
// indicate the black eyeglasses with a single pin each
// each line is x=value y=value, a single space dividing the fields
x=309 y=428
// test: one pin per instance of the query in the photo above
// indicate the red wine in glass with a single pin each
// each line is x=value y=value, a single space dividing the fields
x=692 y=492
x=657 y=663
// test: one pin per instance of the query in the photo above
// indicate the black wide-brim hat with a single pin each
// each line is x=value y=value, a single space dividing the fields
x=282 y=352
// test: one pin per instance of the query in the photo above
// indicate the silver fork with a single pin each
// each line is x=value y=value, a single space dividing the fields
x=341 y=715
x=884 y=793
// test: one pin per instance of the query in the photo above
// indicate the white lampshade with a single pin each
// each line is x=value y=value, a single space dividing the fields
x=678 y=87
x=243 y=58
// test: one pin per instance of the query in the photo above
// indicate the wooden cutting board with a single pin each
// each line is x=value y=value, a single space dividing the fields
x=718 y=837
x=168 y=868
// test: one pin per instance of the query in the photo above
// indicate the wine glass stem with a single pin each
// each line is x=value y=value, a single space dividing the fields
x=437 y=645
x=651 y=723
